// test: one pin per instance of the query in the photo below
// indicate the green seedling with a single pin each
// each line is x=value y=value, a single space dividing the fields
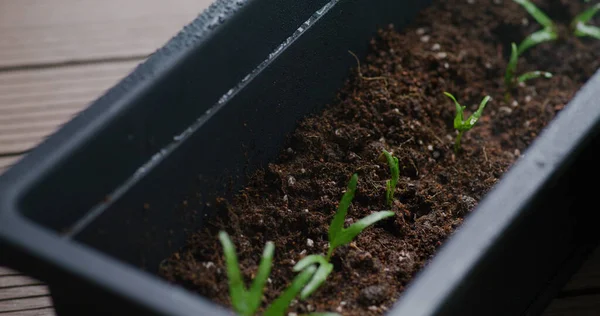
x=282 y=303
x=510 y=78
x=580 y=26
x=462 y=125
x=549 y=32
x=338 y=236
x=246 y=302
x=395 y=171
x=323 y=271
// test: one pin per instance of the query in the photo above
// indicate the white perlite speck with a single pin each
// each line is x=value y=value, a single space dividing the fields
x=209 y=264
x=505 y=109
x=310 y=242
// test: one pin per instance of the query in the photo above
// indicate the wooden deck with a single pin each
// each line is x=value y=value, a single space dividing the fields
x=58 y=56
x=55 y=58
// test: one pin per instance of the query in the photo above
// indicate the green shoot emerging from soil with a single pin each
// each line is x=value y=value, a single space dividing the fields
x=510 y=78
x=549 y=32
x=282 y=303
x=580 y=26
x=391 y=184
x=460 y=124
x=246 y=302
x=338 y=236
x=323 y=271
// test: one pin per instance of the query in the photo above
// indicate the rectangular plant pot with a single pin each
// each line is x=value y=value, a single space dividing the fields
x=216 y=103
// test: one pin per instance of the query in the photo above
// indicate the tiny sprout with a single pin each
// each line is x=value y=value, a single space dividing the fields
x=391 y=184
x=246 y=302
x=282 y=303
x=338 y=236
x=549 y=32
x=510 y=79
x=580 y=26
x=320 y=275
x=460 y=124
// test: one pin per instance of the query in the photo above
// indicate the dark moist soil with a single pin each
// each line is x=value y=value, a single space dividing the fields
x=453 y=46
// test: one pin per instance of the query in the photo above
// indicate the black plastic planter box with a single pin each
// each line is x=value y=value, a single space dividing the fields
x=215 y=103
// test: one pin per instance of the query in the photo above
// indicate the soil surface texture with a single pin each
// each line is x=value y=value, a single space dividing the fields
x=397 y=104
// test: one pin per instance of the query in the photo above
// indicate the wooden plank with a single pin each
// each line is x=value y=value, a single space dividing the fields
x=32 y=312
x=25 y=304
x=588 y=277
x=23 y=292
x=17 y=280
x=88 y=29
x=47 y=89
x=5 y=270
x=33 y=104
x=588 y=305
x=16 y=143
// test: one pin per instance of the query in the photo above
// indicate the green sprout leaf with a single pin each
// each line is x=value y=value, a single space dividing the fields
x=282 y=303
x=323 y=271
x=462 y=125
x=533 y=75
x=475 y=116
x=338 y=235
x=343 y=237
x=536 y=13
x=337 y=224
x=583 y=30
x=458 y=119
x=587 y=15
x=580 y=26
x=537 y=38
x=264 y=269
x=348 y=234
x=308 y=261
x=548 y=33
x=511 y=68
x=395 y=171
x=237 y=291
x=245 y=302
